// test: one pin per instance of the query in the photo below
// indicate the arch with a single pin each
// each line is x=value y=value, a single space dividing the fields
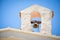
x=35 y=23
x=35 y=14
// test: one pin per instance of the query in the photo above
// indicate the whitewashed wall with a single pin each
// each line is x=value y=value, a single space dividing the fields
x=13 y=34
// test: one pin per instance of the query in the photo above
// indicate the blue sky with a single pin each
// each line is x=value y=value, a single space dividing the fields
x=9 y=12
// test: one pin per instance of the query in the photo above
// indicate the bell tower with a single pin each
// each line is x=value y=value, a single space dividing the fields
x=36 y=11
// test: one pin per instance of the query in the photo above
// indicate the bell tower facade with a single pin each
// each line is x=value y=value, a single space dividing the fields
x=36 y=11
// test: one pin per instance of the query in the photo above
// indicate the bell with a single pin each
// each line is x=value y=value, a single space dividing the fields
x=35 y=26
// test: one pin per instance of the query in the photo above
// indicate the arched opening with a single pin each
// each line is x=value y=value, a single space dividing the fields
x=36 y=21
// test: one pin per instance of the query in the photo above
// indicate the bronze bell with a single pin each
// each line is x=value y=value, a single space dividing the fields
x=35 y=26
x=36 y=23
